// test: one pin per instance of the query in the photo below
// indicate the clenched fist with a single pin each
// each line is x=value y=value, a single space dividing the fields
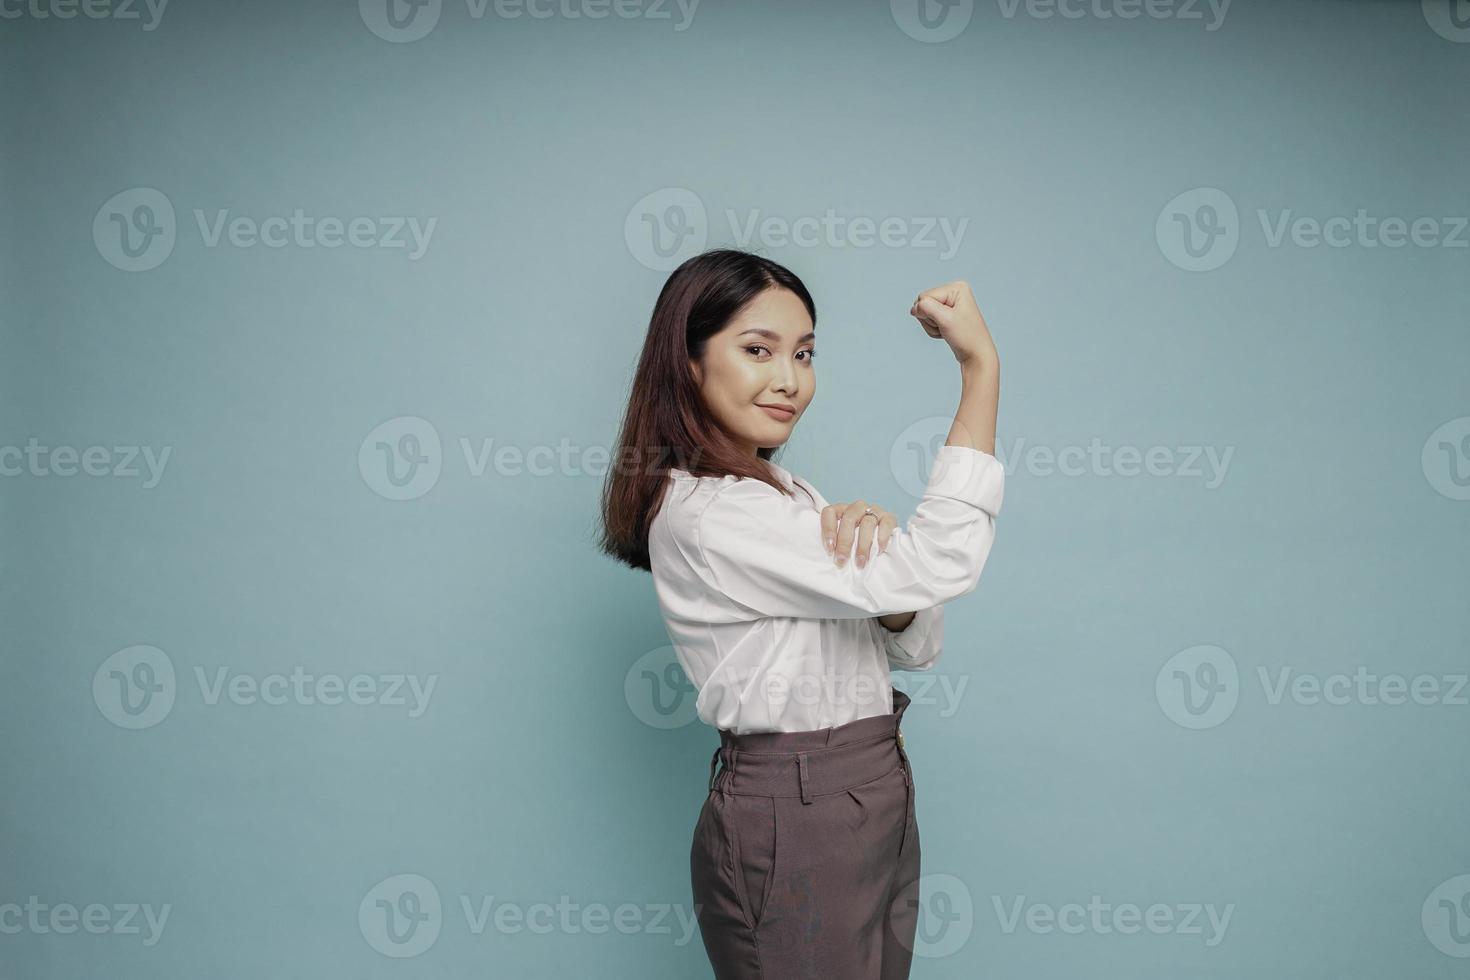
x=950 y=312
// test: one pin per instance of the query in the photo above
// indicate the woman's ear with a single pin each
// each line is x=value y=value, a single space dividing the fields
x=698 y=374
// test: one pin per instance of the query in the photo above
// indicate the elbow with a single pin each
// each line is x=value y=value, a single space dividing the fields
x=982 y=540
x=956 y=567
x=972 y=579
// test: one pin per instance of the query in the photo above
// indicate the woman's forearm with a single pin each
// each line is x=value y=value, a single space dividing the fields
x=974 y=420
x=974 y=427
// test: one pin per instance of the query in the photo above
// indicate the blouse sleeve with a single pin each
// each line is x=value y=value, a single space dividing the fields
x=763 y=550
x=918 y=645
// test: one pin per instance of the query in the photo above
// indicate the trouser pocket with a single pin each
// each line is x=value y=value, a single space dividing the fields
x=750 y=826
x=908 y=806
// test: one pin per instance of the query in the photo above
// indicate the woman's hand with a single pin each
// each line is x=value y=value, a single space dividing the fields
x=842 y=522
x=950 y=312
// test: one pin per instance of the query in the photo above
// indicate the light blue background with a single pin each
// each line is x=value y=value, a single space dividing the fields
x=533 y=774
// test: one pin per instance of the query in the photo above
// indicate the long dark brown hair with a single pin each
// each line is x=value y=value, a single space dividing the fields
x=667 y=424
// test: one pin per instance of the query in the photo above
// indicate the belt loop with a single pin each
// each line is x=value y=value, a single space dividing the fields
x=729 y=771
x=802 y=776
x=714 y=761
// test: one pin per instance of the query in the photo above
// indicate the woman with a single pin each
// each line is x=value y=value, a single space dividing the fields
x=805 y=858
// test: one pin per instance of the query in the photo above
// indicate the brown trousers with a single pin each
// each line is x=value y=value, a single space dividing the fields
x=805 y=862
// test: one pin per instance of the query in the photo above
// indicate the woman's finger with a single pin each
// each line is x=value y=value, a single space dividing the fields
x=847 y=528
x=885 y=530
x=829 y=526
x=867 y=524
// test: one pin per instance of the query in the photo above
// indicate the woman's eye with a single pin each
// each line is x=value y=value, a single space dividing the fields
x=758 y=347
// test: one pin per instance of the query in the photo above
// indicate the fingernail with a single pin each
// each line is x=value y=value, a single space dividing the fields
x=841 y=559
x=828 y=545
x=862 y=560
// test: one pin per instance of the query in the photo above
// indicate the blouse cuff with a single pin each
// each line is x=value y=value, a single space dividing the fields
x=967 y=474
x=918 y=645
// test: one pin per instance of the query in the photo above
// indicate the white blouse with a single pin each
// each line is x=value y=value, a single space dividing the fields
x=774 y=634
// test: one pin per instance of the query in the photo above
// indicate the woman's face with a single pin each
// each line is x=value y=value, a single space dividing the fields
x=763 y=357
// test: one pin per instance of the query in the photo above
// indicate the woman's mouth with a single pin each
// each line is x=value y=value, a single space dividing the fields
x=778 y=413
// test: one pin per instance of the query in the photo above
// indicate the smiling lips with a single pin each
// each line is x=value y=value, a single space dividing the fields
x=779 y=412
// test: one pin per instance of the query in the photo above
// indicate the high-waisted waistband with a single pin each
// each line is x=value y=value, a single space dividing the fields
x=814 y=763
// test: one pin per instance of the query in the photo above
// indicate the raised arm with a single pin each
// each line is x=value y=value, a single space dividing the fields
x=763 y=550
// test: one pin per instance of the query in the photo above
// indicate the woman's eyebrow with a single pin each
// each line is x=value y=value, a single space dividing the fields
x=775 y=336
